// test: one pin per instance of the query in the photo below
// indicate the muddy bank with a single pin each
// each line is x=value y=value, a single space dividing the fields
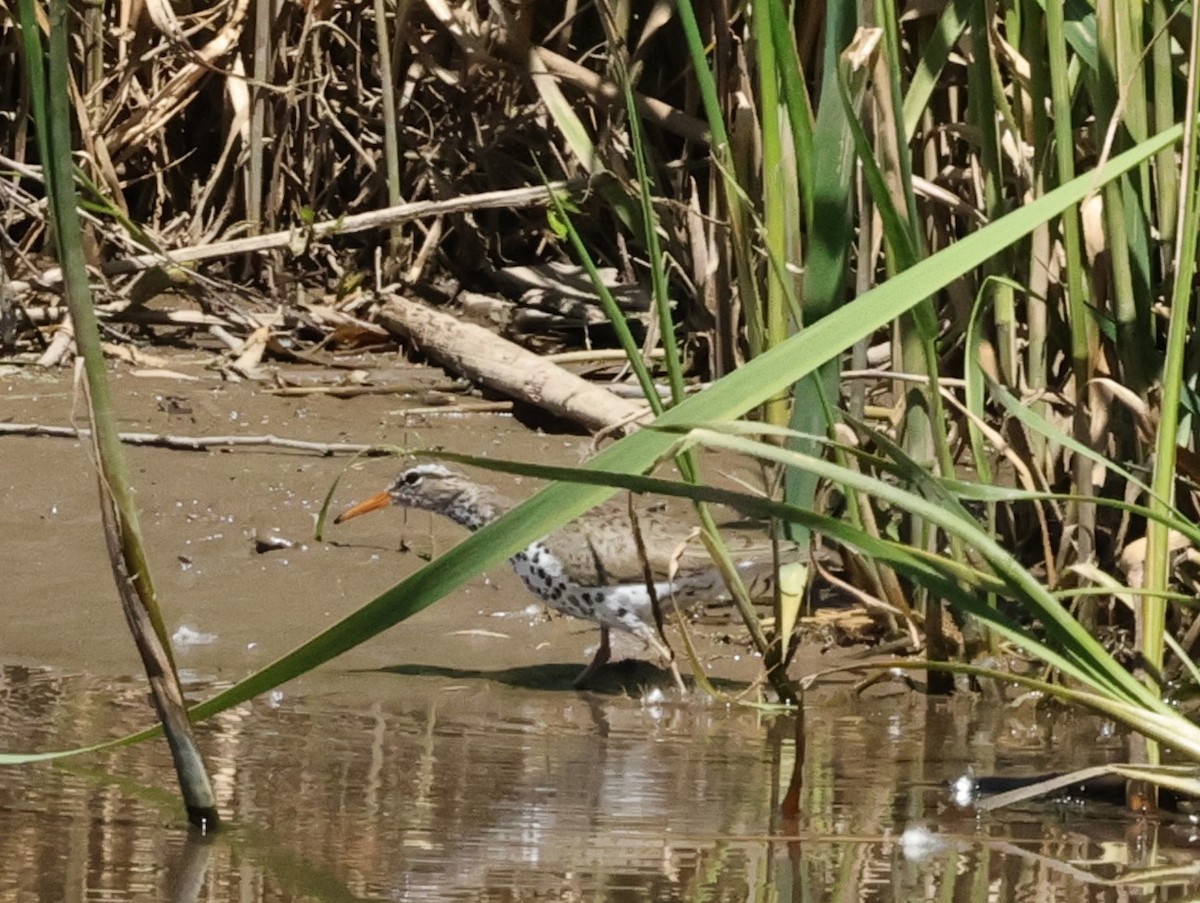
x=232 y=608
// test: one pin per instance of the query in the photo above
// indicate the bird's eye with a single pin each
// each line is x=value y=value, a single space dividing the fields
x=412 y=478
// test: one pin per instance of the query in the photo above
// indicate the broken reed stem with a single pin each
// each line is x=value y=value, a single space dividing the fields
x=165 y=691
x=122 y=534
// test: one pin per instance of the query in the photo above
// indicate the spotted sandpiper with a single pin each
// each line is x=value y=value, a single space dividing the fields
x=592 y=568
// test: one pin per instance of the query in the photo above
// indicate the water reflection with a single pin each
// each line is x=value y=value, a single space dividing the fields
x=406 y=788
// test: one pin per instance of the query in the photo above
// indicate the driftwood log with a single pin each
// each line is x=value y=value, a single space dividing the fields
x=489 y=360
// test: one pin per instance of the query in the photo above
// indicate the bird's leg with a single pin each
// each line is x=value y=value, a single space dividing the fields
x=651 y=639
x=599 y=660
x=675 y=675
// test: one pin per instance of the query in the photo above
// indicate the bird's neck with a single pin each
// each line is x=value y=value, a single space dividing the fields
x=474 y=510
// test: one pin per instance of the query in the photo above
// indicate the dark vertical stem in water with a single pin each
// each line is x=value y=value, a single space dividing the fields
x=191 y=872
x=790 y=807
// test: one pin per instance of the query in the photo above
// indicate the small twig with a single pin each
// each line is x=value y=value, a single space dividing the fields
x=199 y=443
x=873 y=604
x=468 y=407
x=944 y=381
x=660 y=113
x=343 y=391
x=597 y=355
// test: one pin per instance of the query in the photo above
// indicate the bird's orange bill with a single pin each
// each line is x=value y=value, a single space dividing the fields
x=374 y=503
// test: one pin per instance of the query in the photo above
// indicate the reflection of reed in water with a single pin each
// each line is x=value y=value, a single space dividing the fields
x=431 y=788
x=405 y=800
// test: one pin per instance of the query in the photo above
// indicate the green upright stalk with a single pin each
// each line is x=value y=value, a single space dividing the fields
x=258 y=114
x=35 y=68
x=1130 y=28
x=1188 y=233
x=1133 y=345
x=982 y=113
x=562 y=224
x=1035 y=125
x=391 y=145
x=704 y=77
x=1081 y=322
x=686 y=460
x=1166 y=176
x=657 y=261
x=913 y=249
x=795 y=99
x=775 y=206
x=828 y=252
x=924 y=434
x=744 y=254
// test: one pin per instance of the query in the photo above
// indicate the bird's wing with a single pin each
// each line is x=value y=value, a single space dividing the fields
x=600 y=548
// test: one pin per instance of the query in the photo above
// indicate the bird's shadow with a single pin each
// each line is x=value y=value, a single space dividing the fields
x=628 y=677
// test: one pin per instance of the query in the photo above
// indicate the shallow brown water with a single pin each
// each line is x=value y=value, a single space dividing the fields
x=445 y=760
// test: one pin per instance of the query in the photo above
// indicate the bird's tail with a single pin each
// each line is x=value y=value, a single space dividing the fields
x=707 y=585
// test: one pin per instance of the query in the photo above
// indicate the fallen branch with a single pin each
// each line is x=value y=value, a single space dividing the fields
x=489 y=360
x=200 y=443
x=345 y=225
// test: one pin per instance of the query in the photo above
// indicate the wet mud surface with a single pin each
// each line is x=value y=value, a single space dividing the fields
x=447 y=759
x=235 y=607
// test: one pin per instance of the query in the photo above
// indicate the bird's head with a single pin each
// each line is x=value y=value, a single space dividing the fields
x=431 y=487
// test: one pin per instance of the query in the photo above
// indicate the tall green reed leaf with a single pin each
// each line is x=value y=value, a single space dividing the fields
x=1153 y=622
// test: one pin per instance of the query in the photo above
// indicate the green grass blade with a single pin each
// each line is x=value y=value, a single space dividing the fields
x=934 y=55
